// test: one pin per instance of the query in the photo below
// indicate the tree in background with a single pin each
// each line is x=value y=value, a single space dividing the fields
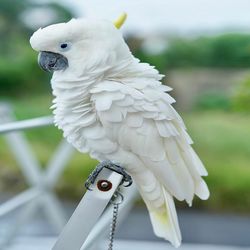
x=19 y=73
x=241 y=99
x=222 y=51
x=225 y=51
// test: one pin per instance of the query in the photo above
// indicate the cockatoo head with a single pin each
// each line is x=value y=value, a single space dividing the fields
x=79 y=43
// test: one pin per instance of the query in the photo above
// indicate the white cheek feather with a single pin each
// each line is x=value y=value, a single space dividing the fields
x=119 y=111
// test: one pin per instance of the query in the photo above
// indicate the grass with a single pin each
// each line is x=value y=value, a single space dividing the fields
x=222 y=141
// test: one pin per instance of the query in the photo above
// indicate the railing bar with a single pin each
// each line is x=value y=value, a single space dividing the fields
x=26 y=124
x=101 y=229
x=19 y=200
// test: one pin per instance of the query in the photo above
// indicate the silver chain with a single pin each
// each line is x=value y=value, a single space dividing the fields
x=113 y=226
x=116 y=204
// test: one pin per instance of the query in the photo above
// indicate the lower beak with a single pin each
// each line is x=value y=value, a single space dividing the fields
x=50 y=61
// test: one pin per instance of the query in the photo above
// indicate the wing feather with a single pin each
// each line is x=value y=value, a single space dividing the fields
x=134 y=120
x=150 y=128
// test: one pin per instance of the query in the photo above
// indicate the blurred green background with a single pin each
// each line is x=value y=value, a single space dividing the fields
x=210 y=75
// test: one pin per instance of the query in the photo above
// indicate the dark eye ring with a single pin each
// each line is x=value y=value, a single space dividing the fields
x=64 y=45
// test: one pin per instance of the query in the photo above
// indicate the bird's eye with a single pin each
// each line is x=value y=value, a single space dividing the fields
x=64 y=46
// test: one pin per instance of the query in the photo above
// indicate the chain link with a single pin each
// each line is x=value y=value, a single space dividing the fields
x=116 y=204
x=113 y=226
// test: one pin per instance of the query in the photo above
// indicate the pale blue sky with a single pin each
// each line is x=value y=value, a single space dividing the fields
x=181 y=16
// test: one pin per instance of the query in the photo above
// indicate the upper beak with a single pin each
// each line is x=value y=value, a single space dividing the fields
x=50 y=61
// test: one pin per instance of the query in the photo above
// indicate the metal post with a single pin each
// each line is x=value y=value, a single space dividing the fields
x=101 y=229
x=88 y=212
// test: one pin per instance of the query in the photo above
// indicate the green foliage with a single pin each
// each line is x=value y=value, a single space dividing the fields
x=19 y=71
x=241 y=99
x=212 y=101
x=228 y=50
x=156 y=60
x=222 y=142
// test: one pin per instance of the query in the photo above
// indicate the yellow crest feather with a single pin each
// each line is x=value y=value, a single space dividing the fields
x=120 y=21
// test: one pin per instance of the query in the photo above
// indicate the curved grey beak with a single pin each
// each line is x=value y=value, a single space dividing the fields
x=51 y=62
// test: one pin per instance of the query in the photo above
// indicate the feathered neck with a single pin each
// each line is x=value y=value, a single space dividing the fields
x=72 y=90
x=109 y=68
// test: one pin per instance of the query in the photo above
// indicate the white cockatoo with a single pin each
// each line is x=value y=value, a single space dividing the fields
x=114 y=107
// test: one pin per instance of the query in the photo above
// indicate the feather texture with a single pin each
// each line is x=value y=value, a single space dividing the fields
x=138 y=119
x=142 y=121
x=109 y=104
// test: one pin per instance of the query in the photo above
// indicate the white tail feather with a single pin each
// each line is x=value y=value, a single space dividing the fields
x=165 y=221
x=201 y=189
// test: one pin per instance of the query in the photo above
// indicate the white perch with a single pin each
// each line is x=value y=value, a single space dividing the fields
x=87 y=213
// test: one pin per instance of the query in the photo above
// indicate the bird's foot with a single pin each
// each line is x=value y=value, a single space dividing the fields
x=112 y=166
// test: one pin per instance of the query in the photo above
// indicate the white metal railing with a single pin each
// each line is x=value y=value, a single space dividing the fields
x=26 y=124
x=41 y=193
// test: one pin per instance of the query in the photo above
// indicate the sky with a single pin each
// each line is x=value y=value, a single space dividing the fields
x=178 y=16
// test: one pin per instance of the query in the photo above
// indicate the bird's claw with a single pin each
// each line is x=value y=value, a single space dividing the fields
x=87 y=185
x=92 y=177
x=111 y=166
x=127 y=179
